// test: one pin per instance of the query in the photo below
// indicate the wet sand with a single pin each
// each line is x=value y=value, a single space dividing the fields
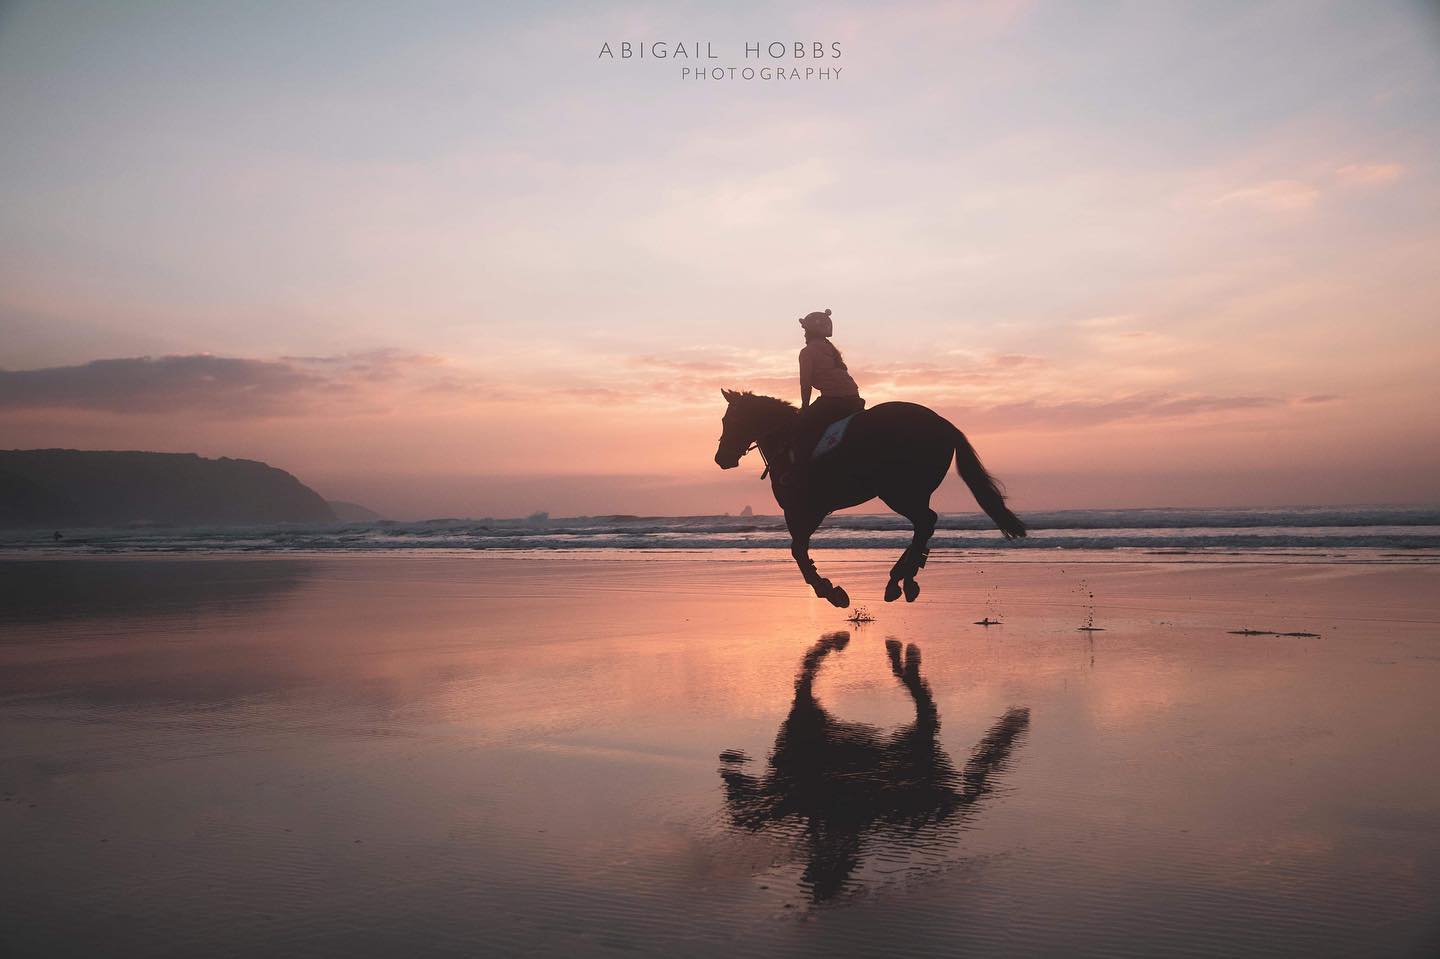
x=665 y=755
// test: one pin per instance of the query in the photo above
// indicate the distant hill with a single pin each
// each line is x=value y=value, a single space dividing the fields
x=353 y=512
x=68 y=488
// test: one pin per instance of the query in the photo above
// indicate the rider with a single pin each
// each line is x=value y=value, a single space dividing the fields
x=822 y=368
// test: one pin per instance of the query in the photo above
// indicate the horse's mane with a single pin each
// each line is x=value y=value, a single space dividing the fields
x=758 y=400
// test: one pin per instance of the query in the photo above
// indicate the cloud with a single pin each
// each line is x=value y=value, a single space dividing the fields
x=972 y=381
x=1106 y=322
x=1071 y=414
x=1368 y=174
x=215 y=385
x=1281 y=196
x=1012 y=360
x=383 y=364
x=703 y=360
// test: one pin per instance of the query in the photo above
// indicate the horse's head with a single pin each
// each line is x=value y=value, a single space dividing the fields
x=747 y=419
x=735 y=434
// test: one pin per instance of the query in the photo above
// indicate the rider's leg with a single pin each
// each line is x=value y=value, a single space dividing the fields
x=812 y=423
x=808 y=426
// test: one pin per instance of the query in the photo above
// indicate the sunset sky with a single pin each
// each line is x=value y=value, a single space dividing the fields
x=442 y=259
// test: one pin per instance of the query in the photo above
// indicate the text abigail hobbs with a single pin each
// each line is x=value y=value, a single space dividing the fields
x=773 y=60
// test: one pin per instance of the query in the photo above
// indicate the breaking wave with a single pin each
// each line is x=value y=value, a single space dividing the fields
x=1409 y=530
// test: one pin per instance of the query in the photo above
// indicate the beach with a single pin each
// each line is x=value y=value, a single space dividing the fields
x=640 y=753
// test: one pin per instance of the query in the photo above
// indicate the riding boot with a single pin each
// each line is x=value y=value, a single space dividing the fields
x=795 y=474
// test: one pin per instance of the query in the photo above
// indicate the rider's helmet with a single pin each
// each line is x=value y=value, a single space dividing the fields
x=817 y=324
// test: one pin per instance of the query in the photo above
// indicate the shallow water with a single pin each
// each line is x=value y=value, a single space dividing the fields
x=666 y=755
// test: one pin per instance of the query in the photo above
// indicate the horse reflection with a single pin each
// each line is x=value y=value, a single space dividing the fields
x=840 y=784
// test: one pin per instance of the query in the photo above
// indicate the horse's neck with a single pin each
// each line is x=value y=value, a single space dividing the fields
x=780 y=423
x=776 y=434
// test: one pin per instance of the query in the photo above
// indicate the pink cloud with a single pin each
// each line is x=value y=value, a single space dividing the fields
x=1368 y=174
x=1080 y=413
x=1283 y=196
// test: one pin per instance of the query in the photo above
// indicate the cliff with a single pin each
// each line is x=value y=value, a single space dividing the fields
x=69 y=488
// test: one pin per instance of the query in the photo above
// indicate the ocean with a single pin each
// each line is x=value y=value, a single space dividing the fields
x=1378 y=533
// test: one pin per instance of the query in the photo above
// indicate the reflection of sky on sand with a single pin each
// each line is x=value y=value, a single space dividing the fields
x=487 y=755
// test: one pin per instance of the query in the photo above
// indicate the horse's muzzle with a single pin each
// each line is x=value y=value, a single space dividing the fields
x=726 y=463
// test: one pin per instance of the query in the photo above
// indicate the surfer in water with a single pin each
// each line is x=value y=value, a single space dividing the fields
x=821 y=368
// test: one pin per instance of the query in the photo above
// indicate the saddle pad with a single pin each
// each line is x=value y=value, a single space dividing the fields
x=832 y=436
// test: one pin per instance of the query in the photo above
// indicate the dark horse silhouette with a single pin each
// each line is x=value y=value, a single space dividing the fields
x=899 y=452
x=840 y=784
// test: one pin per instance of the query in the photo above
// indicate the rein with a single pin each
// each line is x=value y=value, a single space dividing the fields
x=759 y=449
x=766 y=460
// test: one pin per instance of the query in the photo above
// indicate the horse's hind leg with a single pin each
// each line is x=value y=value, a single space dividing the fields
x=908 y=673
x=915 y=508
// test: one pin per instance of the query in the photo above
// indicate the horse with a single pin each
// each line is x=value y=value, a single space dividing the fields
x=846 y=784
x=899 y=452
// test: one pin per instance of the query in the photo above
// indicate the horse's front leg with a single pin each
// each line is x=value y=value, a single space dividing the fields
x=802 y=527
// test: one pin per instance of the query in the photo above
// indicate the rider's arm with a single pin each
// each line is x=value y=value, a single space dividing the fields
x=807 y=374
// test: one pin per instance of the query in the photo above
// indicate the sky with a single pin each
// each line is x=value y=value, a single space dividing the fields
x=445 y=259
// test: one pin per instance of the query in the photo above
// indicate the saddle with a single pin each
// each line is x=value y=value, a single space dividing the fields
x=832 y=437
x=796 y=459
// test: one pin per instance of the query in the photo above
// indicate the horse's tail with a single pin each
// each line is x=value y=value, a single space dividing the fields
x=988 y=491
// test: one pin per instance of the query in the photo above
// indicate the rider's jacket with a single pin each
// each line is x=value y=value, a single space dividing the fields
x=820 y=369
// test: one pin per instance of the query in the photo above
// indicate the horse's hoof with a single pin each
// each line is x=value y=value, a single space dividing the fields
x=838 y=597
x=912 y=589
x=892 y=591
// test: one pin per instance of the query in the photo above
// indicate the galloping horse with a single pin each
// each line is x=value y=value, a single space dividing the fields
x=899 y=452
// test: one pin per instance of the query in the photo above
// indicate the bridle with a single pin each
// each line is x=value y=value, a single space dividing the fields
x=755 y=445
